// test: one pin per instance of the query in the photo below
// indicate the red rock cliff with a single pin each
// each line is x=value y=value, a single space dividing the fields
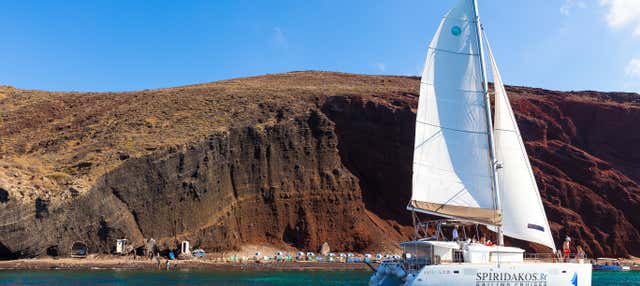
x=298 y=158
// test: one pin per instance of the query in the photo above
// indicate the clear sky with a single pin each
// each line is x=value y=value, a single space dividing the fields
x=133 y=45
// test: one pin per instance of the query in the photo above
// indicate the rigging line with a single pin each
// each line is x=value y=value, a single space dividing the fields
x=451 y=129
x=495 y=190
x=452 y=52
x=453 y=197
x=428 y=139
x=413 y=217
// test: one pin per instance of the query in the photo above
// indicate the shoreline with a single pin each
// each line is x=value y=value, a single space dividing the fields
x=203 y=264
x=123 y=263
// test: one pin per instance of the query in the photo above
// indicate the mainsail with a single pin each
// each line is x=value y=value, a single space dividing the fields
x=523 y=213
x=452 y=171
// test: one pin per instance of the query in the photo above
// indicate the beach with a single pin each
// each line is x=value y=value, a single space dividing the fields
x=128 y=263
x=243 y=258
x=213 y=262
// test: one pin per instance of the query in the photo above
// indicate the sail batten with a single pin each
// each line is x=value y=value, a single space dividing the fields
x=453 y=52
x=452 y=174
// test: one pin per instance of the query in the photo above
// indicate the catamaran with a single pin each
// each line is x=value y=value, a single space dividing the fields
x=472 y=170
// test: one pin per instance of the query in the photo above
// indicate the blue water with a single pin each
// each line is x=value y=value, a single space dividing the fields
x=616 y=278
x=235 y=278
x=256 y=278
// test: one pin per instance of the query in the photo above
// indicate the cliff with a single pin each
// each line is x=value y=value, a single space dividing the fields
x=298 y=159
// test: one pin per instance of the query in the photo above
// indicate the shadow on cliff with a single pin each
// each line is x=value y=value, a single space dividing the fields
x=376 y=145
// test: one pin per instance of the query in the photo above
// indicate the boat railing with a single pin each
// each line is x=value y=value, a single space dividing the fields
x=458 y=256
x=553 y=258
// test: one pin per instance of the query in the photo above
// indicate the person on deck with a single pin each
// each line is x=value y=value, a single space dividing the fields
x=558 y=256
x=566 y=248
x=454 y=234
x=580 y=254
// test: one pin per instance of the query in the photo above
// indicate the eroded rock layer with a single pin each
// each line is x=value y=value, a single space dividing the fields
x=299 y=158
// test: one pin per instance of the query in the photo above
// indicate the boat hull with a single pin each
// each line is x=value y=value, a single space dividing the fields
x=507 y=274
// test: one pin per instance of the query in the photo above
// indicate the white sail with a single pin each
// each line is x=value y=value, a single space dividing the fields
x=452 y=174
x=523 y=213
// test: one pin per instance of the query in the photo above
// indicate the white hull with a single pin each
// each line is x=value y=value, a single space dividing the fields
x=508 y=274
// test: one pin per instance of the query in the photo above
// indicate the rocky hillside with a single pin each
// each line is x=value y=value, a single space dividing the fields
x=298 y=158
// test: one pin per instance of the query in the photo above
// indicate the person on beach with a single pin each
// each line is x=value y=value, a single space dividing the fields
x=566 y=248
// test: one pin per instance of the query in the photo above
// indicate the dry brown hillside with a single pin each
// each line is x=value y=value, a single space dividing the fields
x=297 y=158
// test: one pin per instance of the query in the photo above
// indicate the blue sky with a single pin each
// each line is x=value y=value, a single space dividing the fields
x=133 y=45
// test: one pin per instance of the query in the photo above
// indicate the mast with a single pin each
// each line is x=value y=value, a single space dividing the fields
x=452 y=163
x=485 y=84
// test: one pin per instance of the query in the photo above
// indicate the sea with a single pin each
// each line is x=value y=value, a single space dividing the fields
x=234 y=278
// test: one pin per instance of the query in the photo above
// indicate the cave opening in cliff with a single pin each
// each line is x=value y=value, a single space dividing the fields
x=53 y=251
x=4 y=195
x=6 y=253
x=293 y=236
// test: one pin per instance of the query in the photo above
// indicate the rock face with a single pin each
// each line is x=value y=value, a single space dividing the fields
x=300 y=159
x=282 y=182
x=582 y=149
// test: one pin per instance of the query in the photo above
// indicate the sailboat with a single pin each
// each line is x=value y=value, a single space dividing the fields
x=469 y=169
